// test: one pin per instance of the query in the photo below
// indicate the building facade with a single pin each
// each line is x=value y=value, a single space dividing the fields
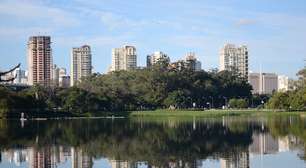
x=64 y=81
x=21 y=77
x=190 y=62
x=254 y=81
x=80 y=63
x=156 y=57
x=193 y=62
x=283 y=83
x=55 y=75
x=39 y=60
x=234 y=58
x=263 y=83
x=124 y=58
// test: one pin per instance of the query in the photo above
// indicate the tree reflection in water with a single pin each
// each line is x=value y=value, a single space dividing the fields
x=169 y=142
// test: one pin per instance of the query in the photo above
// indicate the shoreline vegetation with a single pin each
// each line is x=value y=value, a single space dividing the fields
x=166 y=113
x=122 y=93
x=213 y=113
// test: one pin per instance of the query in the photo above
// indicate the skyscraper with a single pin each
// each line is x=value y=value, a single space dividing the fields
x=124 y=58
x=234 y=58
x=80 y=63
x=156 y=57
x=39 y=60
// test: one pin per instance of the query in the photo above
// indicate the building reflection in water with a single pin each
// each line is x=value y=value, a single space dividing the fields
x=170 y=164
x=224 y=142
x=46 y=157
x=263 y=143
x=16 y=156
x=236 y=160
x=80 y=159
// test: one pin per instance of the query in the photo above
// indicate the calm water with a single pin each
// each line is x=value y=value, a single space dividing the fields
x=121 y=143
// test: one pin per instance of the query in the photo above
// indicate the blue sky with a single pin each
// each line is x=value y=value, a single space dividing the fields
x=274 y=30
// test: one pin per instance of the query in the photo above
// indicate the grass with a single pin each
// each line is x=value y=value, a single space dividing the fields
x=210 y=113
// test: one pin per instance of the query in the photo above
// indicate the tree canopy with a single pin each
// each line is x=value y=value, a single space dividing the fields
x=151 y=88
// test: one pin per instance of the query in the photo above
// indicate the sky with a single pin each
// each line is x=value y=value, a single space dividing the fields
x=273 y=30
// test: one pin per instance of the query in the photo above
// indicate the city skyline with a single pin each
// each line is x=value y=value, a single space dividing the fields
x=273 y=34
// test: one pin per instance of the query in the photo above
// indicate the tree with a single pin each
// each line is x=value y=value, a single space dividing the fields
x=279 y=100
x=238 y=103
x=178 y=99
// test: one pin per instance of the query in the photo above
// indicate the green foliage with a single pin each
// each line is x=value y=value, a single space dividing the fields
x=178 y=99
x=5 y=99
x=152 y=88
x=238 y=103
x=279 y=100
x=291 y=100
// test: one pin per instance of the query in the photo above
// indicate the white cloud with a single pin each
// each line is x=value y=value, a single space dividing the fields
x=29 y=11
x=245 y=22
x=96 y=41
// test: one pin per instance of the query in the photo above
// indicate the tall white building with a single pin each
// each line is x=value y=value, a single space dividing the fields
x=55 y=75
x=234 y=58
x=80 y=63
x=155 y=57
x=124 y=58
x=39 y=60
x=263 y=83
x=283 y=83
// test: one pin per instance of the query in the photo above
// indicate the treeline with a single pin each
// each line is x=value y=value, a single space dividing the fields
x=293 y=100
x=143 y=89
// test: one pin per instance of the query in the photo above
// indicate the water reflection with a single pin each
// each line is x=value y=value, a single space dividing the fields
x=146 y=142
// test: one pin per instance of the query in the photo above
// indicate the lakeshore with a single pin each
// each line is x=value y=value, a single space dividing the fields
x=212 y=113
x=165 y=113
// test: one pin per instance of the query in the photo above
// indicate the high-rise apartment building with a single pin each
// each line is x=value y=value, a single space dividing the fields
x=80 y=64
x=39 y=60
x=156 y=57
x=234 y=58
x=124 y=58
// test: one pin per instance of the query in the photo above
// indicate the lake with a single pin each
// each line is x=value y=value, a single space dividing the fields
x=228 y=142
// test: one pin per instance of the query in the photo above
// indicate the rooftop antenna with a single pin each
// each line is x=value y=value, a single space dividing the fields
x=260 y=68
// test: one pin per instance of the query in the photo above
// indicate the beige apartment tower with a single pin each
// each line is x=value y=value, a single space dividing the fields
x=234 y=58
x=80 y=63
x=124 y=58
x=39 y=60
x=156 y=57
